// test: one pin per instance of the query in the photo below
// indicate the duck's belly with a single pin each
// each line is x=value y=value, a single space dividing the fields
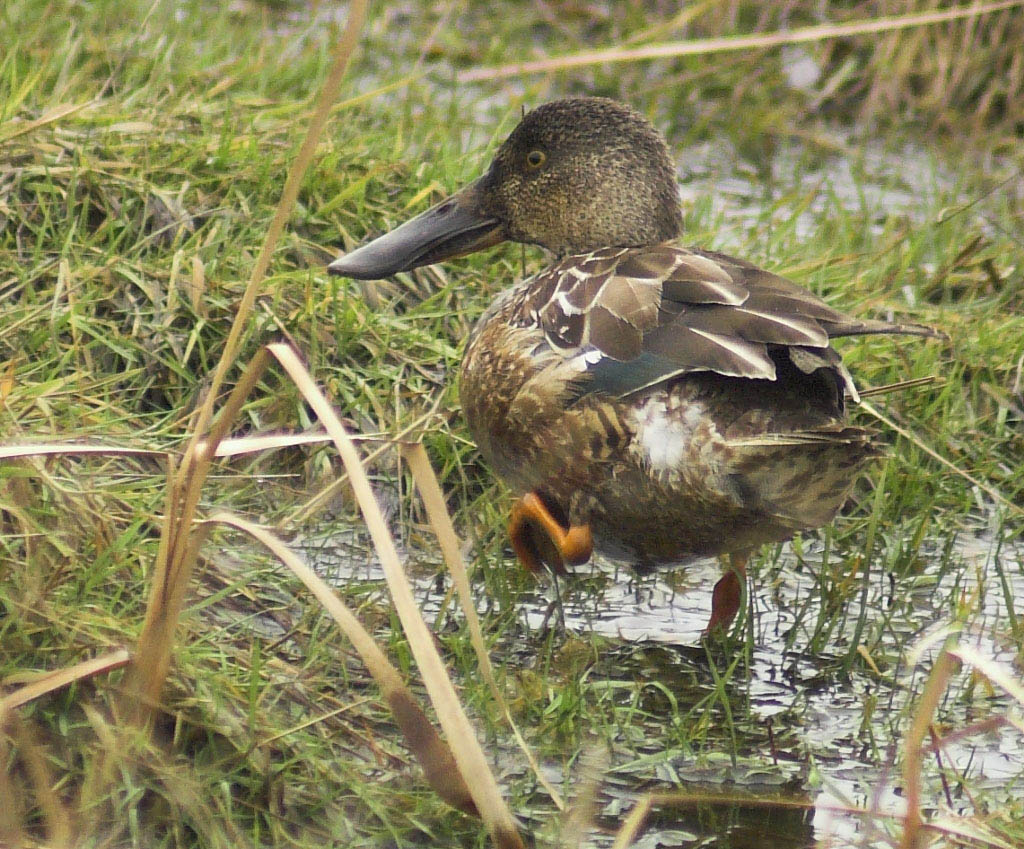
x=651 y=526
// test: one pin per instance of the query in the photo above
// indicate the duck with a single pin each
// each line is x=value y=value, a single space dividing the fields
x=652 y=402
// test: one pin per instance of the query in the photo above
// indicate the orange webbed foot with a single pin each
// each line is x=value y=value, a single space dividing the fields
x=538 y=538
x=727 y=594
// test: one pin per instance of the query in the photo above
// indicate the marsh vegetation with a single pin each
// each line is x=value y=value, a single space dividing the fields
x=144 y=148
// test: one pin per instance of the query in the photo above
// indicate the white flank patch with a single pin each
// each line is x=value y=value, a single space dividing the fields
x=665 y=436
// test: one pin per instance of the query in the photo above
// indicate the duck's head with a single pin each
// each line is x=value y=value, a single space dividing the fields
x=574 y=176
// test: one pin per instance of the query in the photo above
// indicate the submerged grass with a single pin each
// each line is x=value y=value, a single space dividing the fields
x=143 y=149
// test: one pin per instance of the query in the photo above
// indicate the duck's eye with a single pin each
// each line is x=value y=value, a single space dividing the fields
x=536 y=158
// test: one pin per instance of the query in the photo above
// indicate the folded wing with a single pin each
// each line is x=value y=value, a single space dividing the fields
x=641 y=316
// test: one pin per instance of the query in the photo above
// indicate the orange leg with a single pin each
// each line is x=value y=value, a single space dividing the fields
x=537 y=537
x=728 y=593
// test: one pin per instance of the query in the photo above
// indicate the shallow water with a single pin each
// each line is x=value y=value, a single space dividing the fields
x=841 y=755
x=832 y=713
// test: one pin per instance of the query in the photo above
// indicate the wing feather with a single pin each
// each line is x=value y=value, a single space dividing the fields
x=645 y=315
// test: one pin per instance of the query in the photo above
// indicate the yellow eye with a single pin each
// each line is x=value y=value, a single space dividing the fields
x=536 y=158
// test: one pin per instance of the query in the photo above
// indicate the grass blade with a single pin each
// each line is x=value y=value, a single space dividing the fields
x=705 y=46
x=430 y=491
x=431 y=751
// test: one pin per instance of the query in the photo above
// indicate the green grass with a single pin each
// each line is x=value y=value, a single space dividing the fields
x=130 y=217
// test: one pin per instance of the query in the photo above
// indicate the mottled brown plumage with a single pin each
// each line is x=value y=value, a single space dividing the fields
x=663 y=402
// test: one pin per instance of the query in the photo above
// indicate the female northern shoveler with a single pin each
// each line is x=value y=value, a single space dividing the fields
x=655 y=402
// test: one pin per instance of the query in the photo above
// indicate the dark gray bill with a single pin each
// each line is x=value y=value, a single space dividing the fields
x=454 y=227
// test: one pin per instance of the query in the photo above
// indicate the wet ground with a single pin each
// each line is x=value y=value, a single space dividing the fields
x=836 y=739
x=812 y=740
